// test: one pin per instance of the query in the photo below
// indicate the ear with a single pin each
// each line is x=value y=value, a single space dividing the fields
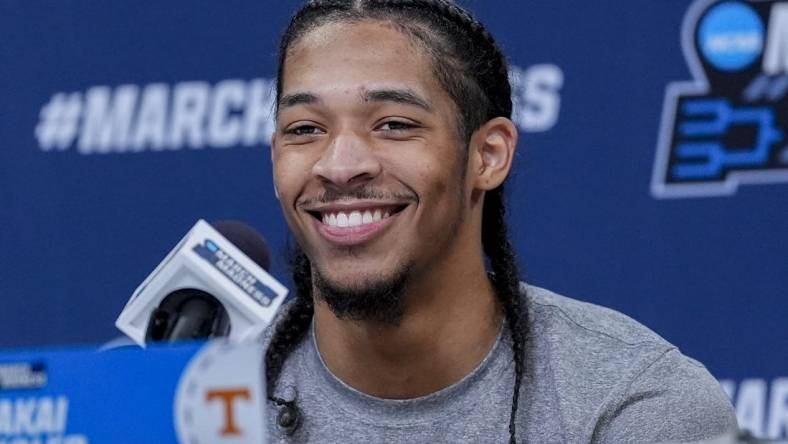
x=492 y=153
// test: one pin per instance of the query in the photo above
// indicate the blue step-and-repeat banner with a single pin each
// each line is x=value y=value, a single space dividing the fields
x=652 y=175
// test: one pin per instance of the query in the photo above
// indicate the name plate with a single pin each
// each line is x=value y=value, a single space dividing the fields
x=189 y=393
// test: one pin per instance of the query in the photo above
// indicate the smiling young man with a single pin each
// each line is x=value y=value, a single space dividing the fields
x=392 y=145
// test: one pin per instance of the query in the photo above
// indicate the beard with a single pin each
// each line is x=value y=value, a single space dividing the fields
x=380 y=300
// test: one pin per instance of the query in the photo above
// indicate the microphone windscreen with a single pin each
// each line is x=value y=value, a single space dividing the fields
x=247 y=239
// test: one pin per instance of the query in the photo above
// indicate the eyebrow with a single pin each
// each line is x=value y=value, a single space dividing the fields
x=290 y=100
x=402 y=96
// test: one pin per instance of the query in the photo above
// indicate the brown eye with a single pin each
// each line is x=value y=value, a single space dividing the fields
x=303 y=130
x=396 y=125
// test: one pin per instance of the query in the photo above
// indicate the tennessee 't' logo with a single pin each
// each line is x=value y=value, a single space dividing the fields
x=730 y=125
x=220 y=396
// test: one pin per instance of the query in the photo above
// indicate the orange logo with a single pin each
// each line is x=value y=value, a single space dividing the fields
x=228 y=396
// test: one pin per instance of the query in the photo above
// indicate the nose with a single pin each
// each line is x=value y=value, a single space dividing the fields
x=347 y=161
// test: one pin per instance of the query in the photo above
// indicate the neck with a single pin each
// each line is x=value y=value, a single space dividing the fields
x=448 y=327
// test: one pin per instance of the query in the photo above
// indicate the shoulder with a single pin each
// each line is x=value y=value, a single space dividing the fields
x=674 y=399
x=551 y=310
x=615 y=380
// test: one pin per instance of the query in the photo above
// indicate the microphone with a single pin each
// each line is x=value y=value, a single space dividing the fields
x=213 y=283
x=193 y=313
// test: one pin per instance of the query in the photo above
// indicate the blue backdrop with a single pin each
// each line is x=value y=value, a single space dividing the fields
x=124 y=122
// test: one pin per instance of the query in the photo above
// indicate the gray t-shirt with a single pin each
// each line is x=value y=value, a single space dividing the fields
x=591 y=375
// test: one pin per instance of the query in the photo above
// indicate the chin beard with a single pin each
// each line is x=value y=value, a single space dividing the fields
x=381 y=301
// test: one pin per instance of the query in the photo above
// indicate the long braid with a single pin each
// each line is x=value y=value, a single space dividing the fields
x=289 y=332
x=506 y=281
x=472 y=69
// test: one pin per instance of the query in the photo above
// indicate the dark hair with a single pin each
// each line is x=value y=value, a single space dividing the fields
x=473 y=71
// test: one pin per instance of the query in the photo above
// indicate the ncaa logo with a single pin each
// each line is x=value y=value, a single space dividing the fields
x=729 y=126
x=730 y=36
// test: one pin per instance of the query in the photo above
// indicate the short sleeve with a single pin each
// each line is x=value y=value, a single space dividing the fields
x=675 y=399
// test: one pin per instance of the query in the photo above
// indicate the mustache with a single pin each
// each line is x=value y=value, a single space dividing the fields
x=330 y=195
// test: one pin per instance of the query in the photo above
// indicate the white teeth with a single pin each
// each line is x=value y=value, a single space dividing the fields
x=330 y=219
x=342 y=220
x=354 y=218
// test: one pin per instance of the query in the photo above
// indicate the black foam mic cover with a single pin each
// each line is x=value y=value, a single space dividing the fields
x=247 y=239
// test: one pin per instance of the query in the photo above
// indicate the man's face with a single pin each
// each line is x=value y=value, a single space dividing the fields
x=367 y=159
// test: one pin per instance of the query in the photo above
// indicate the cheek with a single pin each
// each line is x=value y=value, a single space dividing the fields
x=289 y=180
x=435 y=184
x=438 y=185
x=290 y=173
x=438 y=176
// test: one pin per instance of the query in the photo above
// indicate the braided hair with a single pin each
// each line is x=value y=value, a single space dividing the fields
x=472 y=69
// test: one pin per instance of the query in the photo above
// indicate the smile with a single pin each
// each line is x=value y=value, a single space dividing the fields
x=354 y=218
x=354 y=224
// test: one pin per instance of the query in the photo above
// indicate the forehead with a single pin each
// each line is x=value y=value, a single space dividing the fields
x=354 y=57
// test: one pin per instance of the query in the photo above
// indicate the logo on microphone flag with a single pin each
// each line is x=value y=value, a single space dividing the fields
x=235 y=272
